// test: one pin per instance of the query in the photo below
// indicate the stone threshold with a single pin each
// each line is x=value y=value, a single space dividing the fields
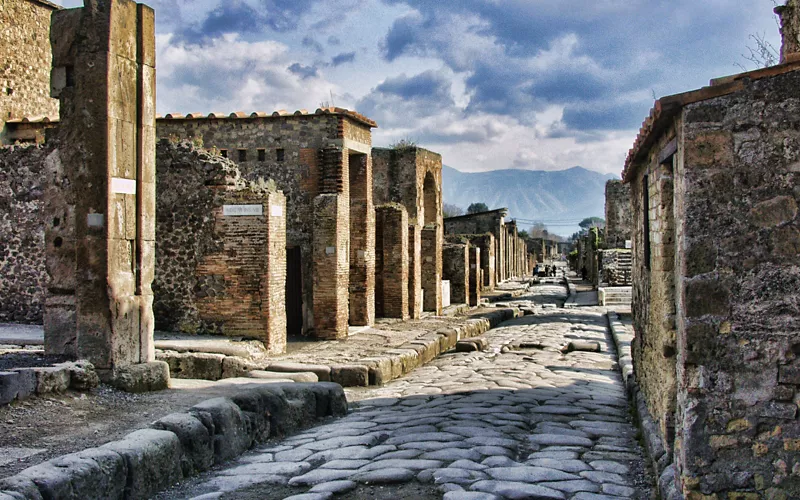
x=658 y=456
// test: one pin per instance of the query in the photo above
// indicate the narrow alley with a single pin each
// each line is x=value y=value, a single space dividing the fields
x=521 y=419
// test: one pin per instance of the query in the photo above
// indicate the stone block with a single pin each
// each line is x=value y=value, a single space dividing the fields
x=48 y=379
x=233 y=367
x=9 y=387
x=380 y=370
x=256 y=415
x=142 y=377
x=323 y=372
x=82 y=375
x=294 y=376
x=200 y=365
x=230 y=435
x=153 y=461
x=789 y=374
x=196 y=444
x=350 y=375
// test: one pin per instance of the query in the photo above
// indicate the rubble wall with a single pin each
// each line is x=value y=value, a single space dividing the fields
x=738 y=192
x=27 y=59
x=619 y=216
x=455 y=267
x=23 y=275
x=391 y=261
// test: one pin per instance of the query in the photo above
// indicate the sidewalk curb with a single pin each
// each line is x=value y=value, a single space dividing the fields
x=658 y=456
x=372 y=370
x=179 y=445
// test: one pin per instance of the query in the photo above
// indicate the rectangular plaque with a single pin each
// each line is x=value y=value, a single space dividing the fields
x=628 y=244
x=123 y=186
x=242 y=210
x=276 y=211
x=330 y=250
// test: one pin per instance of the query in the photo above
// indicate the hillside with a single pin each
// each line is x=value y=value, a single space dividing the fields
x=565 y=195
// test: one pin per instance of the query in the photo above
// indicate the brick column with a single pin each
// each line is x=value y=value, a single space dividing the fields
x=432 y=268
x=455 y=267
x=392 y=283
x=362 y=239
x=414 y=271
x=474 y=275
x=331 y=266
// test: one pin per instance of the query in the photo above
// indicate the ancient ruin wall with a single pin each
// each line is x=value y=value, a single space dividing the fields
x=26 y=60
x=455 y=267
x=217 y=273
x=619 y=216
x=23 y=276
x=391 y=261
x=653 y=299
x=738 y=189
x=790 y=29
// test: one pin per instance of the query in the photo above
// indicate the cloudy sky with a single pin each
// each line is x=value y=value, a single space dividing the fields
x=490 y=84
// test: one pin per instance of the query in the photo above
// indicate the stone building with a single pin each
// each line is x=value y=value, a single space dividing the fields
x=412 y=178
x=220 y=249
x=615 y=258
x=715 y=188
x=510 y=251
x=26 y=60
x=322 y=162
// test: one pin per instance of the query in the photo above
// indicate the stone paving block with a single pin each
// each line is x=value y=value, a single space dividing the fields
x=9 y=387
x=153 y=461
x=323 y=372
x=350 y=375
x=196 y=441
x=229 y=434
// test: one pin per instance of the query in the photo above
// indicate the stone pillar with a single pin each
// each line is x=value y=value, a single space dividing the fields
x=500 y=240
x=391 y=294
x=455 y=267
x=102 y=261
x=790 y=30
x=331 y=266
x=474 y=275
x=414 y=271
x=432 y=268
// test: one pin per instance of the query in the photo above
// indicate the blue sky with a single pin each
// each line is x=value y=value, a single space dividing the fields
x=490 y=84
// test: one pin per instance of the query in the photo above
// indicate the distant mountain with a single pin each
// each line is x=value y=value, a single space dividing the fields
x=560 y=198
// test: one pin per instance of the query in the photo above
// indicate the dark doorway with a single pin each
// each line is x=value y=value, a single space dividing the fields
x=294 y=292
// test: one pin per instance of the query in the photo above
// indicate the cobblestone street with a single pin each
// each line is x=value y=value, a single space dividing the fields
x=519 y=420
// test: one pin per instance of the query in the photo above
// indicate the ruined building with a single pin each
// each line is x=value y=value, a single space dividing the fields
x=410 y=179
x=615 y=259
x=715 y=186
x=26 y=60
x=504 y=255
x=322 y=162
x=99 y=205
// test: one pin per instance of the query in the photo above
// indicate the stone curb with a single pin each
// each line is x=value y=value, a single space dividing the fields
x=21 y=383
x=658 y=456
x=372 y=370
x=179 y=445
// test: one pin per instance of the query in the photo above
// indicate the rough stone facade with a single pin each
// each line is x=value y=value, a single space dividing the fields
x=475 y=276
x=455 y=268
x=412 y=177
x=619 y=216
x=714 y=173
x=391 y=262
x=23 y=275
x=220 y=269
x=616 y=267
x=485 y=243
x=26 y=60
x=328 y=154
x=100 y=203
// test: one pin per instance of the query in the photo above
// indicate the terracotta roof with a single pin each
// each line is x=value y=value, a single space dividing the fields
x=353 y=115
x=666 y=108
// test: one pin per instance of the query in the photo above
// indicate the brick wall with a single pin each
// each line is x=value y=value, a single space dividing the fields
x=619 y=215
x=414 y=271
x=431 y=251
x=391 y=262
x=27 y=59
x=23 y=275
x=455 y=267
x=331 y=260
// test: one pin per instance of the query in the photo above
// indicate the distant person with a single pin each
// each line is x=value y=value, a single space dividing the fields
x=536 y=270
x=584 y=272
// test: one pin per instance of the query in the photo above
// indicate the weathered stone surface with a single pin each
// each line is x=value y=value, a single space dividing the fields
x=296 y=376
x=143 y=377
x=197 y=445
x=350 y=375
x=152 y=459
x=229 y=434
x=323 y=372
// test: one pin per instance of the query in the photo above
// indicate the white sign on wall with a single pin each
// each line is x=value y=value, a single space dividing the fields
x=123 y=186
x=276 y=211
x=628 y=244
x=242 y=210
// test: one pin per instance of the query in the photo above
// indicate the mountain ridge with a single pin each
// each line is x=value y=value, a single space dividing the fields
x=560 y=197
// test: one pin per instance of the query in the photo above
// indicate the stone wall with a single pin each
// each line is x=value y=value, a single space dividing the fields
x=217 y=273
x=653 y=296
x=619 y=216
x=485 y=242
x=617 y=267
x=23 y=275
x=455 y=267
x=485 y=222
x=721 y=315
x=431 y=251
x=26 y=60
x=475 y=276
